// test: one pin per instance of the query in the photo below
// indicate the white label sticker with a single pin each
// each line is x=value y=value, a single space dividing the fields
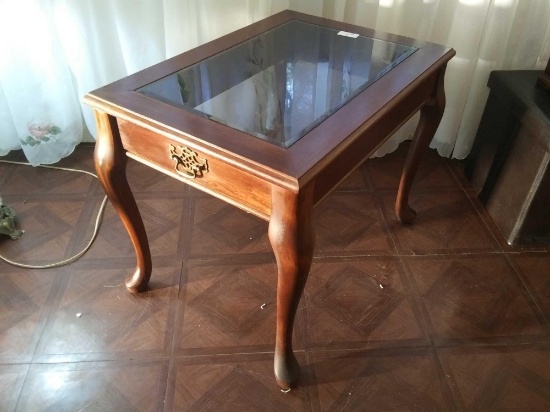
x=348 y=34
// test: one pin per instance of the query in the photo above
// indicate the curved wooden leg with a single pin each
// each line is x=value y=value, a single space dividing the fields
x=430 y=116
x=292 y=237
x=110 y=163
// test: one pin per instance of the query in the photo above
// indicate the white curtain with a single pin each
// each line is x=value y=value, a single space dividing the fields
x=54 y=51
x=486 y=34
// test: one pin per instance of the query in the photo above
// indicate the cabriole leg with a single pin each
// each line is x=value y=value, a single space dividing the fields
x=110 y=163
x=292 y=238
x=430 y=116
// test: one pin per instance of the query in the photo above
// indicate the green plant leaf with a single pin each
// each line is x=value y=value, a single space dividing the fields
x=185 y=95
x=55 y=130
x=181 y=82
x=45 y=139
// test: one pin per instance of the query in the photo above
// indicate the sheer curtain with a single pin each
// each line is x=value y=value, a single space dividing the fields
x=486 y=34
x=54 y=51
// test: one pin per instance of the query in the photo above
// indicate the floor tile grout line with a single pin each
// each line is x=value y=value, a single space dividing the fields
x=447 y=345
x=425 y=321
x=51 y=298
x=451 y=386
x=451 y=345
x=83 y=227
x=186 y=228
x=121 y=361
x=180 y=309
x=470 y=194
x=470 y=197
x=22 y=387
x=387 y=229
x=223 y=259
x=486 y=221
x=170 y=335
x=444 y=378
x=312 y=350
x=453 y=174
x=529 y=290
x=63 y=279
x=543 y=340
x=527 y=251
x=169 y=393
x=486 y=224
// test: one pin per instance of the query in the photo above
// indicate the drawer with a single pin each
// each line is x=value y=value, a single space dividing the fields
x=192 y=166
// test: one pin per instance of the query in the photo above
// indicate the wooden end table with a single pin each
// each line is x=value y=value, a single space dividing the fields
x=270 y=118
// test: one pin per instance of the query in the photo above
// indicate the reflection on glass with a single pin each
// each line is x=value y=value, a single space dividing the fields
x=281 y=84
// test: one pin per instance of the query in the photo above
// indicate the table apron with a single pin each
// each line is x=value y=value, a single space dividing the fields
x=370 y=136
x=222 y=180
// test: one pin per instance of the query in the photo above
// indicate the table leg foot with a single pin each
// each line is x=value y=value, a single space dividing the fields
x=292 y=236
x=137 y=282
x=287 y=370
x=430 y=117
x=405 y=213
x=110 y=163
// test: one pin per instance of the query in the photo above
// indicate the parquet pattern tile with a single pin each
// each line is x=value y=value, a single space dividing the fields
x=433 y=175
x=351 y=223
x=25 y=302
x=229 y=309
x=356 y=181
x=446 y=223
x=475 y=299
x=533 y=268
x=384 y=380
x=221 y=229
x=163 y=222
x=38 y=181
x=235 y=383
x=52 y=223
x=499 y=379
x=94 y=316
x=361 y=304
x=100 y=386
x=441 y=315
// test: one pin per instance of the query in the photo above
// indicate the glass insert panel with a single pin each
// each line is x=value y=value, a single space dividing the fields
x=281 y=84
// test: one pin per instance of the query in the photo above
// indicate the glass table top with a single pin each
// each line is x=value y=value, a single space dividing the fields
x=281 y=84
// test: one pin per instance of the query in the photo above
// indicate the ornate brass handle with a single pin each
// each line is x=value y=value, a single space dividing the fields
x=187 y=164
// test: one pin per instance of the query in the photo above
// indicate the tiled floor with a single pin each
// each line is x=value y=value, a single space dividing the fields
x=441 y=315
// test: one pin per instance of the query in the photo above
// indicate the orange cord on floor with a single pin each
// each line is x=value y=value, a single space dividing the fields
x=94 y=235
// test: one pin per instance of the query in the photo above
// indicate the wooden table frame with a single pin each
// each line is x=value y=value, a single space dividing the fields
x=279 y=185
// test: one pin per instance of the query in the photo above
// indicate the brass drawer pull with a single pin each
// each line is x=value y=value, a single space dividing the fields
x=187 y=164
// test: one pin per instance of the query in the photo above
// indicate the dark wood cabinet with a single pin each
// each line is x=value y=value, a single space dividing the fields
x=510 y=160
x=544 y=78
